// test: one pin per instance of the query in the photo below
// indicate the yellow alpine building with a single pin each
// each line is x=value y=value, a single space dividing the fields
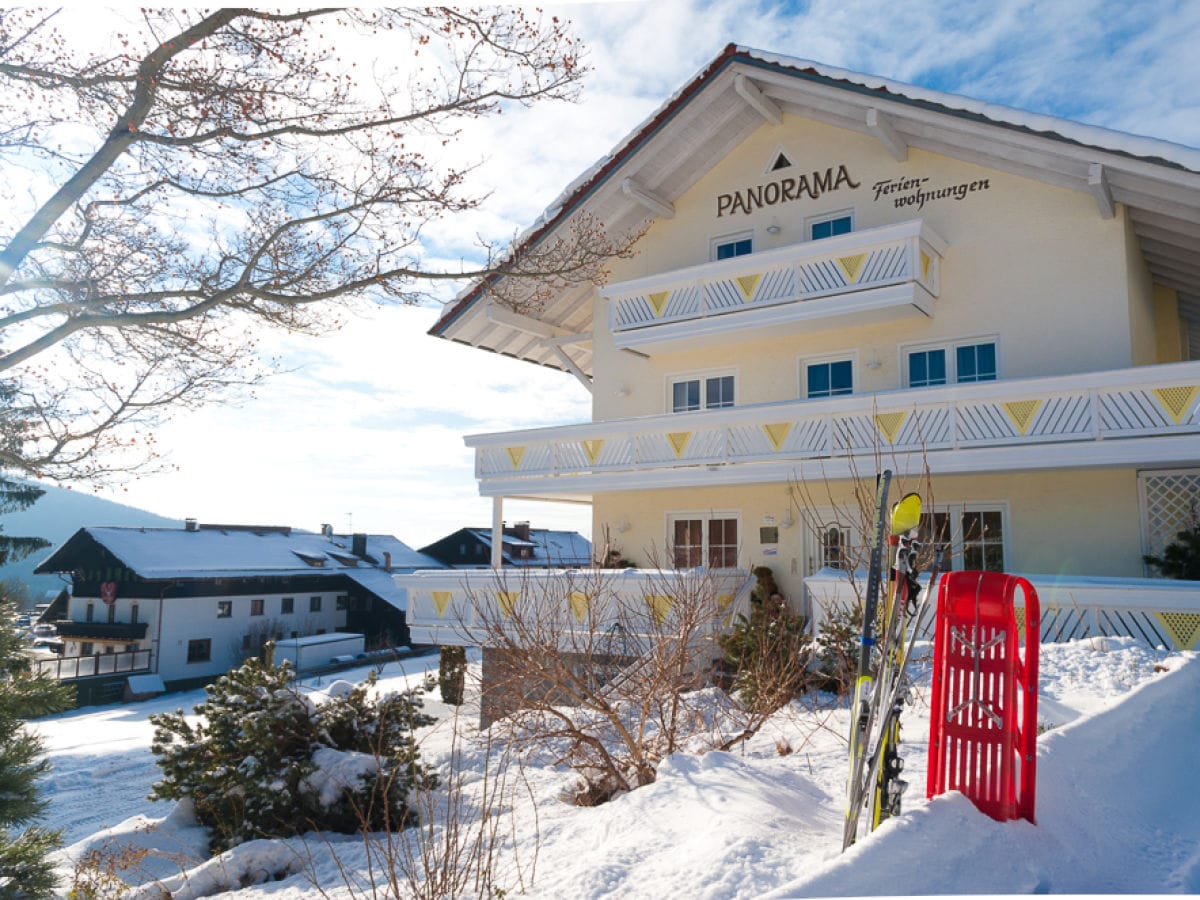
x=837 y=272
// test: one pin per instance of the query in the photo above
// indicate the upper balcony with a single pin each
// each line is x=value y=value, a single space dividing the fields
x=1143 y=416
x=866 y=276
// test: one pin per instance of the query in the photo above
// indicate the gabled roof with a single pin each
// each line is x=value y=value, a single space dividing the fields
x=547 y=547
x=1158 y=181
x=207 y=552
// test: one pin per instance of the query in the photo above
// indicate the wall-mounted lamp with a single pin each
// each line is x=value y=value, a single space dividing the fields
x=622 y=390
x=774 y=228
x=874 y=363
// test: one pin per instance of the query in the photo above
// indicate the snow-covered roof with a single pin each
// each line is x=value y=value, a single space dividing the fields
x=233 y=552
x=548 y=547
x=1159 y=181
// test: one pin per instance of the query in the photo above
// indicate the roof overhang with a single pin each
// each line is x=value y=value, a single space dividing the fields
x=743 y=89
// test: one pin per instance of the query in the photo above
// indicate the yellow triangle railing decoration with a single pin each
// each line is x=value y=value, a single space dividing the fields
x=1177 y=401
x=679 y=441
x=1183 y=628
x=515 y=454
x=441 y=602
x=724 y=604
x=851 y=266
x=507 y=601
x=924 y=266
x=592 y=449
x=658 y=301
x=660 y=605
x=1021 y=413
x=746 y=284
x=580 y=602
x=777 y=434
x=889 y=424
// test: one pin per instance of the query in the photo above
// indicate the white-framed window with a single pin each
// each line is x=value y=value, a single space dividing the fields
x=829 y=224
x=710 y=390
x=957 y=362
x=224 y=609
x=728 y=246
x=830 y=377
x=256 y=606
x=703 y=539
x=199 y=650
x=970 y=536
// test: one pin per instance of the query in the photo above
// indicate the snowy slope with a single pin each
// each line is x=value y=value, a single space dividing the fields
x=1117 y=798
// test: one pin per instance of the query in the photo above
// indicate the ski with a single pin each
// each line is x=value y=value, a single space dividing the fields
x=861 y=707
x=885 y=764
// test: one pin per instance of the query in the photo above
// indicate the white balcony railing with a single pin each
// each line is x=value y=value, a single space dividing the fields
x=1147 y=415
x=1157 y=612
x=621 y=606
x=893 y=269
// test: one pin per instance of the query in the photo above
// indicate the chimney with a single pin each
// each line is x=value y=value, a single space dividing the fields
x=387 y=561
x=326 y=529
x=189 y=524
x=358 y=545
x=520 y=530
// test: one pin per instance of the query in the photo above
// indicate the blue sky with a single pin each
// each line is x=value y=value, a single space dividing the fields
x=367 y=432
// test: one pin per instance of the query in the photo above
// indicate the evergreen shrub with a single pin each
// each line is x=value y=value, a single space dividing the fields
x=264 y=761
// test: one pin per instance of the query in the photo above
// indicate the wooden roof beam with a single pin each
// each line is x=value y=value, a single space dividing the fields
x=521 y=322
x=647 y=198
x=761 y=103
x=1098 y=185
x=881 y=126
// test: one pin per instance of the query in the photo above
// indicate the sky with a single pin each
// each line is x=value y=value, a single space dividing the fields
x=365 y=432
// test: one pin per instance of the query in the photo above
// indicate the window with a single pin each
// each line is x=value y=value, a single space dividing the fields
x=287 y=605
x=697 y=541
x=90 y=613
x=732 y=245
x=828 y=379
x=343 y=600
x=976 y=362
x=224 y=609
x=199 y=650
x=112 y=612
x=256 y=606
x=969 y=536
x=133 y=614
x=314 y=604
x=702 y=392
x=833 y=547
x=839 y=223
x=87 y=648
x=957 y=363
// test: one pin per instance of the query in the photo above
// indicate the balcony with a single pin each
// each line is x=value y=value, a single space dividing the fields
x=1144 y=416
x=621 y=606
x=102 y=631
x=69 y=668
x=874 y=275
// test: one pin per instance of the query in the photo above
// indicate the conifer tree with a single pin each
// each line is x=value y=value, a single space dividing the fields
x=24 y=846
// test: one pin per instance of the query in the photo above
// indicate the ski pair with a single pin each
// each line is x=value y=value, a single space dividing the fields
x=876 y=696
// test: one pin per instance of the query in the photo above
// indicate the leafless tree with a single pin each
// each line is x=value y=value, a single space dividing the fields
x=600 y=668
x=202 y=173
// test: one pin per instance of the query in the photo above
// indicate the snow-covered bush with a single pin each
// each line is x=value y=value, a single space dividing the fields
x=263 y=760
x=768 y=651
x=452 y=674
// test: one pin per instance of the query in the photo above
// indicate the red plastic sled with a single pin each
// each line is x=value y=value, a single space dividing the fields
x=983 y=715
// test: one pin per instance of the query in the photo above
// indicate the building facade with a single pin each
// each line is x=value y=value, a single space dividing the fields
x=189 y=604
x=838 y=274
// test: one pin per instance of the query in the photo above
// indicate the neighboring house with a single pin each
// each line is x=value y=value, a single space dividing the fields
x=521 y=546
x=837 y=273
x=190 y=603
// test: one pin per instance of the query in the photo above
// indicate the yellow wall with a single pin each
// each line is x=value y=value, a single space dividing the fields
x=1069 y=522
x=1169 y=326
x=1032 y=265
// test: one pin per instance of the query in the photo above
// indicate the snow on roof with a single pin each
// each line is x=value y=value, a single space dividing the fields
x=240 y=552
x=549 y=547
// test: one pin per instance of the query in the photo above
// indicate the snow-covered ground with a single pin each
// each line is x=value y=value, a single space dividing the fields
x=1118 y=804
